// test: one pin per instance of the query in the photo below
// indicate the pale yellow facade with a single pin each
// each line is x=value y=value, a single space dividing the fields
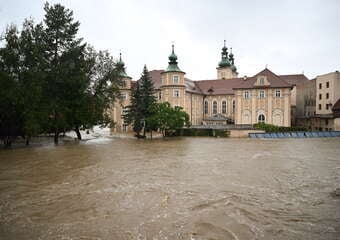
x=275 y=109
x=226 y=101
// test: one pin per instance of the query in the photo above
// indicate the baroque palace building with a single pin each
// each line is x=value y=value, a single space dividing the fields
x=226 y=100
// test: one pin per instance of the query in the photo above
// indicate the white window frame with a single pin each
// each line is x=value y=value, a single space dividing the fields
x=206 y=107
x=124 y=96
x=175 y=79
x=262 y=95
x=213 y=107
x=278 y=93
x=234 y=105
x=246 y=94
x=176 y=93
x=224 y=109
x=261 y=121
x=261 y=81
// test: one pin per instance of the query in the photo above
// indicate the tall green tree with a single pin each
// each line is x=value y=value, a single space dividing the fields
x=10 y=73
x=32 y=81
x=102 y=89
x=61 y=44
x=166 y=118
x=134 y=112
x=143 y=99
x=148 y=98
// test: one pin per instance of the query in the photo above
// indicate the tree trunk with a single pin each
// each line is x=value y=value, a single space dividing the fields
x=151 y=134
x=27 y=142
x=78 y=133
x=7 y=142
x=56 y=136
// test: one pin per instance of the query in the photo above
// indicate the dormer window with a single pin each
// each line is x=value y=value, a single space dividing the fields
x=175 y=79
x=261 y=81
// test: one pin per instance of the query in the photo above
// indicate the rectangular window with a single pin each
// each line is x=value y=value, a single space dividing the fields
x=176 y=93
x=124 y=96
x=327 y=84
x=246 y=94
x=175 y=79
x=327 y=106
x=278 y=93
x=319 y=106
x=320 y=96
x=261 y=94
x=327 y=95
x=160 y=95
x=320 y=85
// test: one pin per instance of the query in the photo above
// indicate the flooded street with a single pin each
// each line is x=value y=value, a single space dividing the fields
x=181 y=188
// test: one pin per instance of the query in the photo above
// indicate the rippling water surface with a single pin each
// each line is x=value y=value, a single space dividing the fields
x=183 y=188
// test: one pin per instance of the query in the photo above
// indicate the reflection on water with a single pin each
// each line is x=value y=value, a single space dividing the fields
x=182 y=188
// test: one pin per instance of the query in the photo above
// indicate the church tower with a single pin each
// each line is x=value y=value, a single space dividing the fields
x=173 y=87
x=125 y=98
x=226 y=67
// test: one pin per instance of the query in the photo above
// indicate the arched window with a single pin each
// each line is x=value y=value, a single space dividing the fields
x=261 y=118
x=224 y=107
x=206 y=107
x=214 y=107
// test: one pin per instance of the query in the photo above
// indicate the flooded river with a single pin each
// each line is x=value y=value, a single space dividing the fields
x=182 y=188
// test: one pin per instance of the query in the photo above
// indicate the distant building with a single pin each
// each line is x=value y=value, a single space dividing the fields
x=319 y=103
x=229 y=99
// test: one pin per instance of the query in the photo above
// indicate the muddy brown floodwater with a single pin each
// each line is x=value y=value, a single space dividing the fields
x=182 y=188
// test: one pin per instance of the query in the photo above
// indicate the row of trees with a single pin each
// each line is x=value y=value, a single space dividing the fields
x=146 y=115
x=51 y=81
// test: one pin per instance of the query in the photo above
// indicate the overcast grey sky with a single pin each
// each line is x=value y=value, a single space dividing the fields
x=289 y=36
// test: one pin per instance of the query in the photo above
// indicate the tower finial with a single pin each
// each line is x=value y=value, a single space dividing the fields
x=120 y=55
x=224 y=42
x=173 y=47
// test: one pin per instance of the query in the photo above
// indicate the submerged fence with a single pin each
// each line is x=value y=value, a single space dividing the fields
x=312 y=134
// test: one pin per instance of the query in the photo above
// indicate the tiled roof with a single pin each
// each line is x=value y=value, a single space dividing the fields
x=226 y=86
x=156 y=78
x=294 y=79
x=219 y=86
x=274 y=80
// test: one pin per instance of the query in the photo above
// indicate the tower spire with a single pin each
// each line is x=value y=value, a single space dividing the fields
x=121 y=66
x=173 y=61
x=224 y=56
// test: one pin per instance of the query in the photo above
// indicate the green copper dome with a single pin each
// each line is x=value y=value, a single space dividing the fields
x=224 y=61
x=173 y=67
x=121 y=67
x=172 y=57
